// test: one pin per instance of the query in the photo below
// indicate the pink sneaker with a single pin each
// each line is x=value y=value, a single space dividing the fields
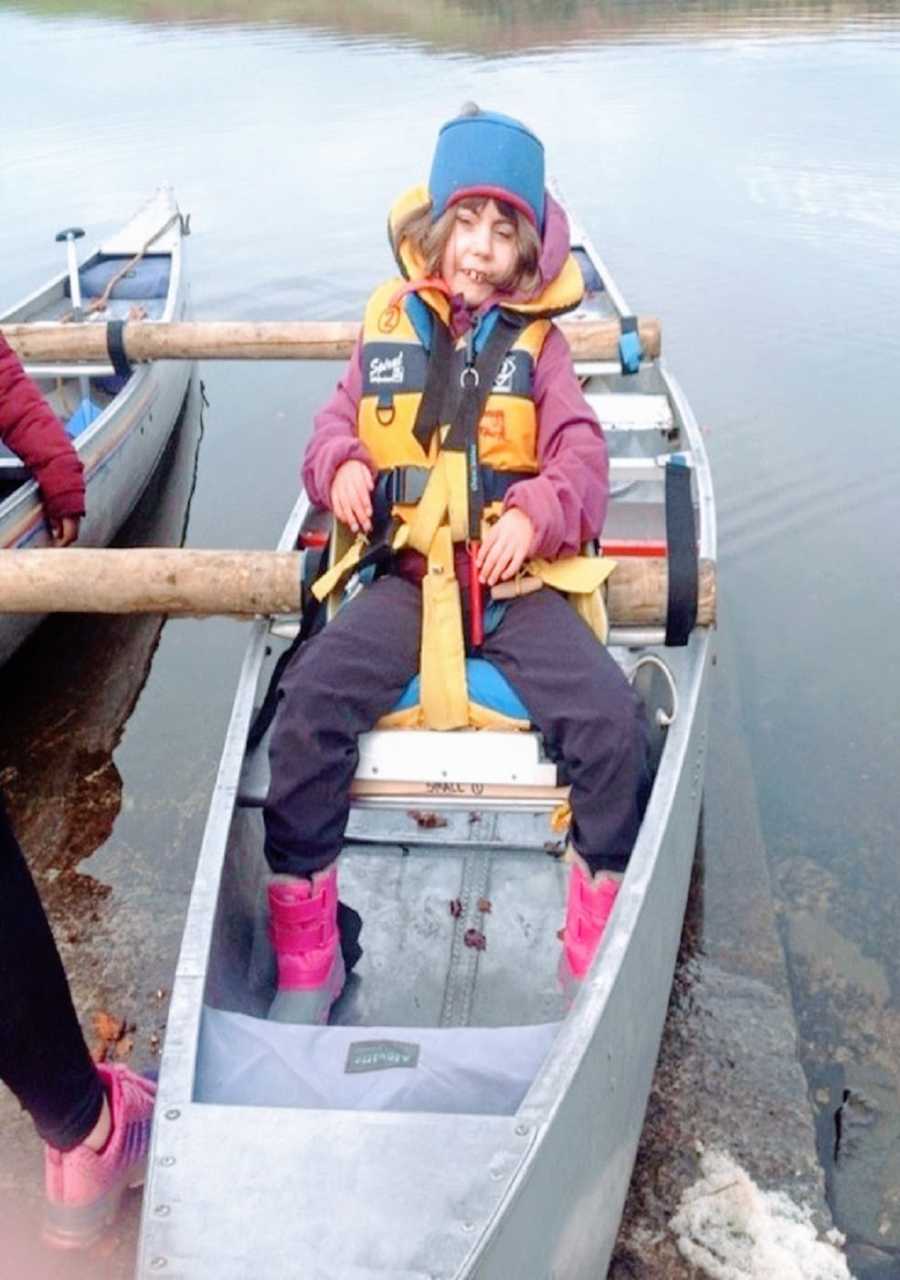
x=84 y=1188
x=588 y=908
x=304 y=933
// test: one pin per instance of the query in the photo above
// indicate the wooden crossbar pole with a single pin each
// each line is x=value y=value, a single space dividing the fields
x=189 y=583
x=269 y=340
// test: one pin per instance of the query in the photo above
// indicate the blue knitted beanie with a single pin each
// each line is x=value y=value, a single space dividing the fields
x=488 y=154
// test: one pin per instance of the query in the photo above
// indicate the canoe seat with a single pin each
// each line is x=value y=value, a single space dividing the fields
x=148 y=278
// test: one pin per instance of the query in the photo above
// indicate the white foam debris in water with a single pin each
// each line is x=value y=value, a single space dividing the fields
x=732 y=1230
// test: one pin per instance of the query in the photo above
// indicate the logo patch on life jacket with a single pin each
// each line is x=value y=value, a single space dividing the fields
x=504 y=380
x=380 y=1055
x=386 y=370
x=389 y=367
x=388 y=320
x=514 y=377
x=493 y=425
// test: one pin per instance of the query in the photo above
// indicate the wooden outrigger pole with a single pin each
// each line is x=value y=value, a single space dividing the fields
x=185 y=582
x=141 y=340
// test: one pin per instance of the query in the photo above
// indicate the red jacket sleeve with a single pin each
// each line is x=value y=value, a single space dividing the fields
x=566 y=503
x=334 y=439
x=30 y=428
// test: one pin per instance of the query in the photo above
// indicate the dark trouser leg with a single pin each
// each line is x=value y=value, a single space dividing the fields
x=579 y=699
x=338 y=686
x=43 y=1057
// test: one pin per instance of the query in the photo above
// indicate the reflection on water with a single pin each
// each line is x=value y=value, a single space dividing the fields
x=56 y=749
x=90 y=671
x=499 y=25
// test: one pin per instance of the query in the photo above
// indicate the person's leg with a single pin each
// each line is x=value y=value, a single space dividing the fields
x=94 y=1120
x=589 y=715
x=43 y=1057
x=578 y=697
x=338 y=685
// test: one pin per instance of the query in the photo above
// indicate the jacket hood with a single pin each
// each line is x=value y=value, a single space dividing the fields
x=560 y=286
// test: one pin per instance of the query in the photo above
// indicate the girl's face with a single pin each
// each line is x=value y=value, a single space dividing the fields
x=481 y=253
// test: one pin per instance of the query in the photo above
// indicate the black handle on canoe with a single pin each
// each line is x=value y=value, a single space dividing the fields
x=70 y=233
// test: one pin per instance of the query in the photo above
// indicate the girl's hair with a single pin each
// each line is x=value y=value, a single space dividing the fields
x=429 y=239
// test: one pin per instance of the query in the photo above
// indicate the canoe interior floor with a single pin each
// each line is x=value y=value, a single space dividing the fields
x=451 y=937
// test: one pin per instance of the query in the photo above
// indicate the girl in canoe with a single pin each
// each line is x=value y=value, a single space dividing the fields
x=458 y=440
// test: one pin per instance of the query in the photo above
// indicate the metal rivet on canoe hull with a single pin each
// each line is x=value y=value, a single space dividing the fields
x=173 y=1113
x=162 y=1210
x=167 y=1161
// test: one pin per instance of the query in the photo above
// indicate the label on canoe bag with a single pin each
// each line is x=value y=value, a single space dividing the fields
x=380 y=1055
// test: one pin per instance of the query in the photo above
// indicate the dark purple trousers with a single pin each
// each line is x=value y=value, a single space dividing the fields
x=341 y=681
x=43 y=1057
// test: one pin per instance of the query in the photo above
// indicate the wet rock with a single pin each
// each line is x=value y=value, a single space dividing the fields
x=839 y=960
x=865 y=1179
x=868 y=1263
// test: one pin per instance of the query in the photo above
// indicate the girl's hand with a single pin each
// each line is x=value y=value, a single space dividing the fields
x=351 y=495
x=505 y=547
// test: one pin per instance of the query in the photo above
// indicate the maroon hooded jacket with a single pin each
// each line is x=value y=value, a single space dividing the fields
x=30 y=428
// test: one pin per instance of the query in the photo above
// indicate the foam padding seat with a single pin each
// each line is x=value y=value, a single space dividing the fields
x=487 y=687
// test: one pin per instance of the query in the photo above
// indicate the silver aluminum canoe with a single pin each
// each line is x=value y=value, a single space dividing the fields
x=122 y=446
x=532 y=1190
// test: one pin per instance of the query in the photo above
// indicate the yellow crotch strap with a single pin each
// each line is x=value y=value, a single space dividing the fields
x=580 y=578
x=442 y=669
x=444 y=502
x=440 y=519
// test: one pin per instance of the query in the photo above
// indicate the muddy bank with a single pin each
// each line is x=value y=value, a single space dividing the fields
x=728 y=1075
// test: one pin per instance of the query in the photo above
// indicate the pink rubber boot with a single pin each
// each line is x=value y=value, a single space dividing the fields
x=303 y=929
x=588 y=908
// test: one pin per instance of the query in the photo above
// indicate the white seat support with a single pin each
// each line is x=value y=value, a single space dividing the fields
x=626 y=411
x=480 y=756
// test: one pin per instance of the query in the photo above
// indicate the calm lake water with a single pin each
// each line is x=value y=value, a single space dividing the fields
x=737 y=166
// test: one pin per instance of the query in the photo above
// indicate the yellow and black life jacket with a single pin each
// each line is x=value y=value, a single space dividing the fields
x=411 y=395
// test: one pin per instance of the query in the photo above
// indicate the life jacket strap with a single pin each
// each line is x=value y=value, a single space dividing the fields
x=437 y=379
x=405 y=485
x=579 y=578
